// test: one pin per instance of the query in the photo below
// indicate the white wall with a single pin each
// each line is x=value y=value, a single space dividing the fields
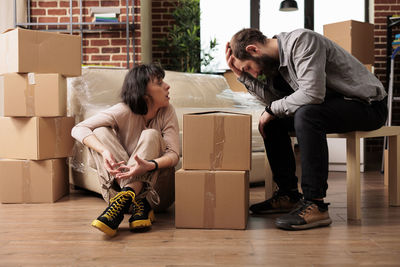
x=7 y=13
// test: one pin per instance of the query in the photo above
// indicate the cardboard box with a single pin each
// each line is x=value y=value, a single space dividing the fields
x=234 y=84
x=26 y=181
x=36 y=138
x=26 y=51
x=216 y=141
x=28 y=95
x=355 y=37
x=369 y=67
x=211 y=199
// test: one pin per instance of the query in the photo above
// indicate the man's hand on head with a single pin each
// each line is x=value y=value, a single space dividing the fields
x=230 y=59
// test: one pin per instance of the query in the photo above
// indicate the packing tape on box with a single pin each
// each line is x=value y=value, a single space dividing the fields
x=209 y=200
x=219 y=140
x=57 y=122
x=30 y=95
x=26 y=182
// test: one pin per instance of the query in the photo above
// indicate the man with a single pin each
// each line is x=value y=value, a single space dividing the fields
x=311 y=86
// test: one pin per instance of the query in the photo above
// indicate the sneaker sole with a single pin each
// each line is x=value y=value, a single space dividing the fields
x=271 y=212
x=316 y=224
x=138 y=224
x=104 y=228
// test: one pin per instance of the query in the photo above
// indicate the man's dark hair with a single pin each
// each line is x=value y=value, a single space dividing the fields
x=135 y=84
x=243 y=38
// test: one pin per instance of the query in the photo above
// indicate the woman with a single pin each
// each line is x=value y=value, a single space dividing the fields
x=133 y=143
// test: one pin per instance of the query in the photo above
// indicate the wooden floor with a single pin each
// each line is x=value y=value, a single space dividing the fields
x=60 y=234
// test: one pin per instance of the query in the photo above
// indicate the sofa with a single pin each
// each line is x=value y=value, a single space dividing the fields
x=98 y=88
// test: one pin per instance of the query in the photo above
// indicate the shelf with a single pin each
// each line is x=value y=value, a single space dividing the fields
x=128 y=26
x=68 y=24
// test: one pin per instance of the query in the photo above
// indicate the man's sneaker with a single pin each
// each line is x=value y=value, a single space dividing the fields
x=307 y=215
x=113 y=215
x=281 y=202
x=143 y=215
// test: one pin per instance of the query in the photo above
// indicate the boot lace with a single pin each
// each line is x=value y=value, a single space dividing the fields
x=139 y=207
x=117 y=203
x=303 y=209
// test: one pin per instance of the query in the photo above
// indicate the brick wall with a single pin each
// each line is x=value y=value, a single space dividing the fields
x=161 y=19
x=382 y=9
x=106 y=47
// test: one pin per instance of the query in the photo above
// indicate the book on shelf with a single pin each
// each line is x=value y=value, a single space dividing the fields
x=104 y=10
x=106 y=15
x=394 y=17
x=100 y=19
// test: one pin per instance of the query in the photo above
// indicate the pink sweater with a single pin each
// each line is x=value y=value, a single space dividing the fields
x=129 y=127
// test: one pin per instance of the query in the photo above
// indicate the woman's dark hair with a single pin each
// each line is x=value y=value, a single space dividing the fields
x=242 y=39
x=135 y=84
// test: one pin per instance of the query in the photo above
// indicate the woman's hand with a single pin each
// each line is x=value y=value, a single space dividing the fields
x=141 y=167
x=110 y=164
x=230 y=60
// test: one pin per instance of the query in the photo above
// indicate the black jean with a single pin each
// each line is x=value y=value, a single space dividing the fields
x=311 y=123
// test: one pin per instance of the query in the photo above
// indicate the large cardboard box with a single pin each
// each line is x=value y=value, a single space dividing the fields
x=26 y=51
x=36 y=138
x=28 y=95
x=216 y=141
x=27 y=181
x=211 y=199
x=355 y=37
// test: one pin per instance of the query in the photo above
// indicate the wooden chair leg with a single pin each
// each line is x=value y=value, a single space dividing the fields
x=393 y=170
x=353 y=177
x=386 y=167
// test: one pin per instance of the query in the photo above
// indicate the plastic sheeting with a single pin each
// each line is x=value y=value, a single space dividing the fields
x=99 y=88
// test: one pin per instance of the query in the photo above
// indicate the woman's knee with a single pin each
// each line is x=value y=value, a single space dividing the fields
x=103 y=132
x=150 y=134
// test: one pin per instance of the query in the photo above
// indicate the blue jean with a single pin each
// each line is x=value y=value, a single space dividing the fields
x=311 y=123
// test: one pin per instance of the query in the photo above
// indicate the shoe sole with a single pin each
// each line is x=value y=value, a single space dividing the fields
x=104 y=228
x=271 y=212
x=138 y=224
x=321 y=223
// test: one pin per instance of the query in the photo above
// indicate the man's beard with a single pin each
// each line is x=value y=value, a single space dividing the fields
x=268 y=66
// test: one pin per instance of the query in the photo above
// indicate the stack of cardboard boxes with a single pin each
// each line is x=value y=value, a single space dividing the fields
x=211 y=189
x=355 y=37
x=35 y=136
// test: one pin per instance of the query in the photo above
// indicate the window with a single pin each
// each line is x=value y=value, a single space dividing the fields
x=221 y=20
x=273 y=21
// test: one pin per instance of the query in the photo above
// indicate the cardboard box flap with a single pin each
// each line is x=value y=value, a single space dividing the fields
x=8 y=30
x=217 y=112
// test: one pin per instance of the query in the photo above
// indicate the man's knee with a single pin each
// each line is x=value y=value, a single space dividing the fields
x=306 y=115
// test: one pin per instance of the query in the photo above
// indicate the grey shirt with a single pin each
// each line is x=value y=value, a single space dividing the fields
x=310 y=63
